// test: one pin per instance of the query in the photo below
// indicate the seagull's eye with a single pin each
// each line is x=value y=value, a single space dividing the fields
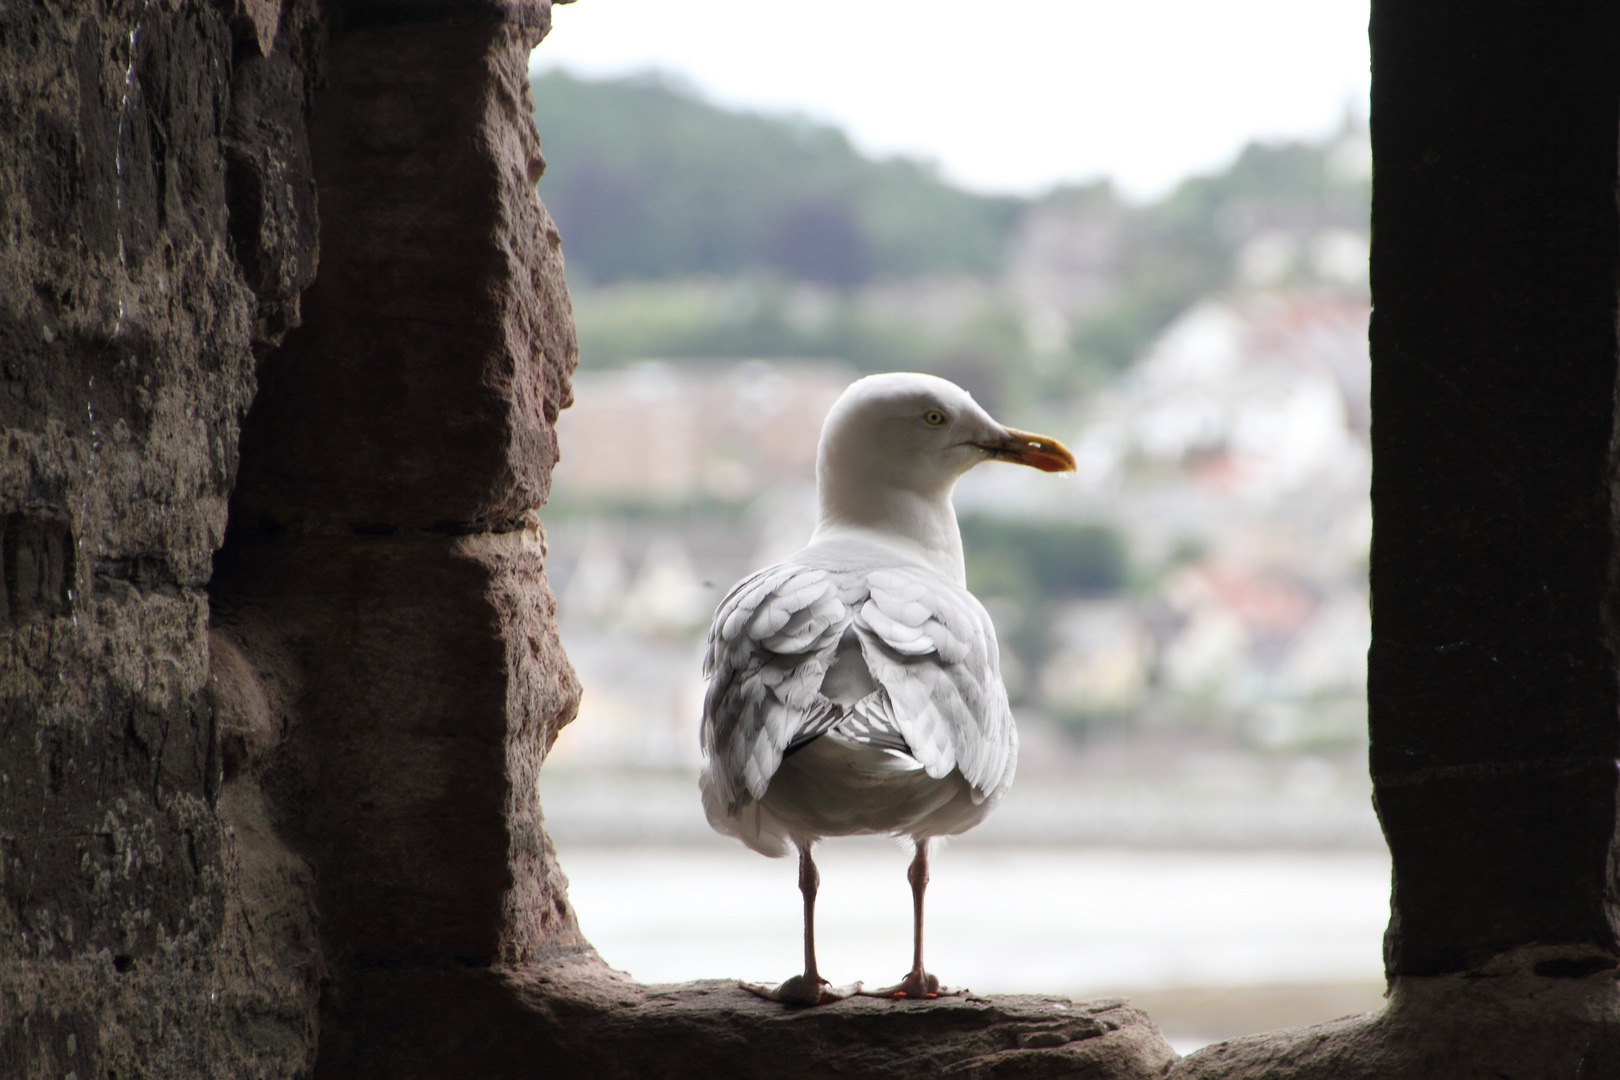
x=934 y=418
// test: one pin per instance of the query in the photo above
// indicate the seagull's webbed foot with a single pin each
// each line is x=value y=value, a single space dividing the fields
x=801 y=990
x=916 y=985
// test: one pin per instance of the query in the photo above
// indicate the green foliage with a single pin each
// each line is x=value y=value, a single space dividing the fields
x=647 y=181
x=1026 y=560
x=697 y=319
x=706 y=319
x=694 y=231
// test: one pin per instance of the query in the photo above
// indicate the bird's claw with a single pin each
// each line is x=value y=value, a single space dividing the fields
x=802 y=991
x=915 y=987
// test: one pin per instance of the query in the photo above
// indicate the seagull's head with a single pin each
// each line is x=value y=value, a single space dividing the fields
x=919 y=433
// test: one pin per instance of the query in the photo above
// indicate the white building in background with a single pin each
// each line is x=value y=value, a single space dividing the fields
x=636 y=594
x=1260 y=397
x=1234 y=456
x=1238 y=445
x=668 y=432
x=1102 y=660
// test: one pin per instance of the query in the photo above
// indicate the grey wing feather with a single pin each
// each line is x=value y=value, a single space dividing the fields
x=773 y=638
x=932 y=648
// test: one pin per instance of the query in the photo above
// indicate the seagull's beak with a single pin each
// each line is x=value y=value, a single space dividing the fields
x=1037 y=451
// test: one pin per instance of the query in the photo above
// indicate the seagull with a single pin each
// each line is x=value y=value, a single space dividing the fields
x=855 y=688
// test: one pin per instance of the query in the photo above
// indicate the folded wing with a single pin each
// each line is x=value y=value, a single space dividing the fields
x=930 y=648
x=772 y=641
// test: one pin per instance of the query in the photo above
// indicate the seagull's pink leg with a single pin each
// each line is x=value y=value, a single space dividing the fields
x=809 y=883
x=809 y=988
x=917 y=983
x=917 y=874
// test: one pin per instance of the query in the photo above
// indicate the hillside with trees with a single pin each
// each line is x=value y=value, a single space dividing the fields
x=693 y=231
x=652 y=182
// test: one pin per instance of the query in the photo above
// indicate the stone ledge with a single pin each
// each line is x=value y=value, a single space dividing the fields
x=1500 y=1022
x=611 y=1026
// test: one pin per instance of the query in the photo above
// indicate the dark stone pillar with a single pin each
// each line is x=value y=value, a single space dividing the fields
x=158 y=223
x=384 y=562
x=1492 y=676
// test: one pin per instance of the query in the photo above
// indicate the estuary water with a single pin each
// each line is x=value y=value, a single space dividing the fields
x=1074 y=921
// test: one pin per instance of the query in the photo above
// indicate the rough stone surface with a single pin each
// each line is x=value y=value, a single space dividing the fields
x=284 y=820
x=615 y=1028
x=715 y=1028
x=436 y=345
x=150 y=923
x=383 y=548
x=1503 y=1022
x=572 y=1018
x=1492 y=675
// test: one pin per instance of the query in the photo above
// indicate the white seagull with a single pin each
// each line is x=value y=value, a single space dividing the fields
x=856 y=687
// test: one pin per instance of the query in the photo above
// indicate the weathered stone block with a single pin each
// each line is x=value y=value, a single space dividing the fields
x=131 y=941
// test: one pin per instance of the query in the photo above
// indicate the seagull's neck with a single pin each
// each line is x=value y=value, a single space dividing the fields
x=922 y=527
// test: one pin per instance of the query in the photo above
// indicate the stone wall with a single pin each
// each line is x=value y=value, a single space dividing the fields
x=383 y=544
x=158 y=209
x=222 y=788
x=268 y=800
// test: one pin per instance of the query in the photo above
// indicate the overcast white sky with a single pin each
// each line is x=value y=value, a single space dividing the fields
x=1009 y=96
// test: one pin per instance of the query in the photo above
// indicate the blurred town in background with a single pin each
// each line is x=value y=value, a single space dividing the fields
x=1183 y=624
